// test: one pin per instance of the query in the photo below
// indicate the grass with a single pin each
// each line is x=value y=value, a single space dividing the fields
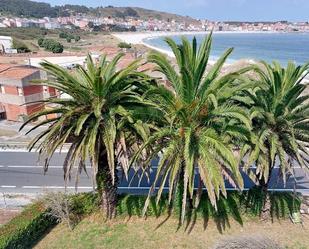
x=154 y=233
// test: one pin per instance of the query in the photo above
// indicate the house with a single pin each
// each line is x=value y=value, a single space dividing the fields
x=6 y=45
x=17 y=92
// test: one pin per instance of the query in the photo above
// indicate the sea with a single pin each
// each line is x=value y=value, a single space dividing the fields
x=281 y=47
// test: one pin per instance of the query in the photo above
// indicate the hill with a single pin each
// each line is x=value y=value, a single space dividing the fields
x=27 y=8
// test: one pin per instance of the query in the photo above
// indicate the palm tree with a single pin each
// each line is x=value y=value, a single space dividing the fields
x=200 y=122
x=280 y=119
x=98 y=114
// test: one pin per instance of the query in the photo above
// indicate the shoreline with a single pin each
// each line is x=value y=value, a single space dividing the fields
x=140 y=38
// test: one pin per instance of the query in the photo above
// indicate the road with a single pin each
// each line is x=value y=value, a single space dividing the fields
x=21 y=173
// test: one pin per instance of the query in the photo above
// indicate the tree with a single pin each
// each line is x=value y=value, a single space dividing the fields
x=63 y=35
x=132 y=29
x=52 y=45
x=90 y=25
x=77 y=38
x=200 y=122
x=40 y=42
x=20 y=46
x=124 y=45
x=99 y=118
x=280 y=119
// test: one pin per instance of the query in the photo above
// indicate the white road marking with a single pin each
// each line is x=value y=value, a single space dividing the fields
x=34 y=166
x=55 y=187
x=7 y=186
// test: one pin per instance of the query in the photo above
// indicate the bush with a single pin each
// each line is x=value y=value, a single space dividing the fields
x=85 y=203
x=40 y=42
x=60 y=206
x=20 y=46
x=25 y=229
x=282 y=203
x=63 y=35
x=52 y=45
x=77 y=38
x=124 y=45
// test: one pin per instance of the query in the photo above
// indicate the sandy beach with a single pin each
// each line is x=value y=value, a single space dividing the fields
x=141 y=37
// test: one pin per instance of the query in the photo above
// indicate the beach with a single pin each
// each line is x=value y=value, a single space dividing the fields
x=140 y=37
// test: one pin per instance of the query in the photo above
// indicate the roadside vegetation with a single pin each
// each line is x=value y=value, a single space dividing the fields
x=206 y=126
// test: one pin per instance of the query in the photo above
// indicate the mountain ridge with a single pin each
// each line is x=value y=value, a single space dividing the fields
x=31 y=9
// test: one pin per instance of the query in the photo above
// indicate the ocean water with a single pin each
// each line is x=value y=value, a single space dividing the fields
x=281 y=47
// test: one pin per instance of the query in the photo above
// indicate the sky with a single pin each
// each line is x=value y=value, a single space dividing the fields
x=221 y=10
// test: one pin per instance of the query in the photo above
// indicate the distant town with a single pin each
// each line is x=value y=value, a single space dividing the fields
x=135 y=24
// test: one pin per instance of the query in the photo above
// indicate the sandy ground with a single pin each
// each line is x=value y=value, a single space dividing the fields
x=7 y=214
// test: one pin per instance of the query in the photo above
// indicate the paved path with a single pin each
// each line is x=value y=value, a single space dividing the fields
x=21 y=173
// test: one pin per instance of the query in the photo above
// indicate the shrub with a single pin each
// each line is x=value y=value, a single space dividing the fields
x=77 y=38
x=124 y=45
x=85 y=203
x=63 y=35
x=52 y=45
x=60 y=206
x=282 y=203
x=20 y=46
x=25 y=229
x=40 y=42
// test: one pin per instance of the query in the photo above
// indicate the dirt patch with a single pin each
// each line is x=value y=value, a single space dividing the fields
x=7 y=133
x=7 y=214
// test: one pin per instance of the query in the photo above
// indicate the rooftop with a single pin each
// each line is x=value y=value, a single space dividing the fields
x=16 y=71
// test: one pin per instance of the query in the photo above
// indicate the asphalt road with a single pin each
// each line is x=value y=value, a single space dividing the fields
x=21 y=173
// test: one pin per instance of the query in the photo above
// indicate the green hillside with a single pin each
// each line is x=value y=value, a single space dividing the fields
x=26 y=8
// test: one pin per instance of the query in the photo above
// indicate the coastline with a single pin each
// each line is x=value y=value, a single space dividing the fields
x=140 y=37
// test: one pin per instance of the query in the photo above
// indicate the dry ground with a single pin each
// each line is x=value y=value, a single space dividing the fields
x=138 y=233
x=7 y=214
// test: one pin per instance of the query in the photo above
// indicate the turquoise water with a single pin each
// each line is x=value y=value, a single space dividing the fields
x=260 y=46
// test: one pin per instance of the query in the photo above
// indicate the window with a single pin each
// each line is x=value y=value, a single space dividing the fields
x=20 y=91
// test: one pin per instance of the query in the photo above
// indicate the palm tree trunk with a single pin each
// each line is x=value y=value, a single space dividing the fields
x=106 y=189
x=266 y=201
x=266 y=208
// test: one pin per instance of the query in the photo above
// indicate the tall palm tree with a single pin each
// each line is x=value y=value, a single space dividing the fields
x=200 y=121
x=98 y=114
x=280 y=119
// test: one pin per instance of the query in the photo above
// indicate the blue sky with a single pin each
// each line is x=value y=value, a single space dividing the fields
x=251 y=10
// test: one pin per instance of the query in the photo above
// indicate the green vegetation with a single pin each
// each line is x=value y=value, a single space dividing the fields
x=279 y=116
x=204 y=125
x=124 y=45
x=20 y=46
x=159 y=230
x=25 y=229
x=51 y=45
x=69 y=37
x=39 y=10
x=111 y=107
x=195 y=131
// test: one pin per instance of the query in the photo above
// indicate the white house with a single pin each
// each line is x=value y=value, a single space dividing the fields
x=6 y=45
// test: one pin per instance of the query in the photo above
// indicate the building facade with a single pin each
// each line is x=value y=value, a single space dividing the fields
x=17 y=91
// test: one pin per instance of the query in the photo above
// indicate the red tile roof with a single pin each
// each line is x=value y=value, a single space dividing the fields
x=11 y=71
